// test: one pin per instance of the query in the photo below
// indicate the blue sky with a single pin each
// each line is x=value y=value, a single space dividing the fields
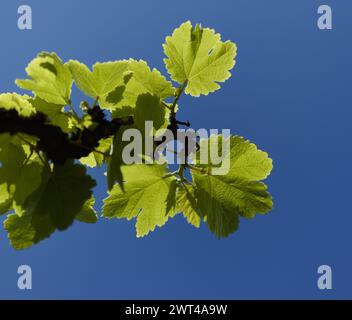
x=290 y=94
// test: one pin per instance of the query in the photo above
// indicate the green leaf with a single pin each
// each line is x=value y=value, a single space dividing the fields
x=91 y=160
x=49 y=79
x=244 y=159
x=187 y=204
x=95 y=159
x=199 y=57
x=55 y=113
x=221 y=201
x=149 y=108
x=107 y=80
x=221 y=220
x=22 y=176
x=62 y=195
x=247 y=161
x=146 y=197
x=114 y=163
x=221 y=198
x=88 y=214
x=143 y=81
x=15 y=101
x=5 y=199
x=27 y=230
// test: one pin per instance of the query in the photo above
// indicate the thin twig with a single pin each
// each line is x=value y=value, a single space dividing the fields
x=166 y=105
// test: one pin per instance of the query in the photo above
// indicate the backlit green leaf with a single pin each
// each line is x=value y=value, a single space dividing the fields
x=145 y=198
x=50 y=80
x=19 y=103
x=144 y=81
x=88 y=214
x=21 y=175
x=198 y=57
x=107 y=81
x=222 y=197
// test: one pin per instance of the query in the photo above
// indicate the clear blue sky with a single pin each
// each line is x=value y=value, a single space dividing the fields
x=290 y=94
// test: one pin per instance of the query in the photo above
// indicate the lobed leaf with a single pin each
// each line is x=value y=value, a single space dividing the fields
x=186 y=202
x=198 y=57
x=55 y=113
x=107 y=81
x=146 y=197
x=144 y=81
x=88 y=213
x=20 y=175
x=222 y=198
x=50 y=79
x=62 y=195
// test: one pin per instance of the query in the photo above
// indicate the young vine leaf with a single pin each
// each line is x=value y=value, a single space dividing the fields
x=199 y=57
x=143 y=81
x=62 y=196
x=49 y=79
x=145 y=197
x=187 y=204
x=19 y=173
x=222 y=198
x=55 y=112
x=106 y=82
